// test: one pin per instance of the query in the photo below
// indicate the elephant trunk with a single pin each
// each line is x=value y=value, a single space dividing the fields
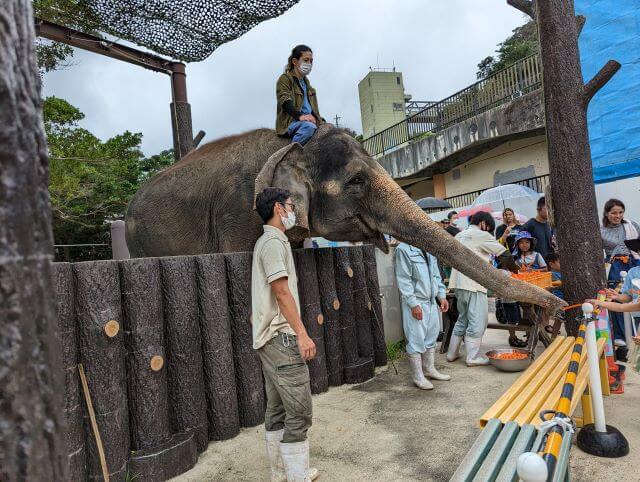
x=405 y=221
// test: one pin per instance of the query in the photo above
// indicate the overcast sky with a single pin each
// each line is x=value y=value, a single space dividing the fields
x=436 y=44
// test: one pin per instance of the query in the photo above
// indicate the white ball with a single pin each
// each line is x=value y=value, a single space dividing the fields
x=531 y=468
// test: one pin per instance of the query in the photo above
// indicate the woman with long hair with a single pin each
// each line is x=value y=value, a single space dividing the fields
x=615 y=231
x=297 y=102
x=505 y=233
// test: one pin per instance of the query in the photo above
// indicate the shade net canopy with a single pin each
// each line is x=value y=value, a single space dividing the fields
x=187 y=30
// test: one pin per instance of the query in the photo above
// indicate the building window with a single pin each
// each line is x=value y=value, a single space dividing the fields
x=398 y=79
x=369 y=80
x=398 y=106
x=371 y=107
x=456 y=174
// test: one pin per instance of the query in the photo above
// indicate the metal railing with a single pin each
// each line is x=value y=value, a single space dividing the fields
x=538 y=183
x=518 y=79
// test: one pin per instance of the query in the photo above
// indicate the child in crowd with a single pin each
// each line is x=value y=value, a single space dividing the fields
x=524 y=253
x=553 y=264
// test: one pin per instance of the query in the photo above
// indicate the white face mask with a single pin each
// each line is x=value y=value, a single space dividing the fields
x=289 y=221
x=305 y=68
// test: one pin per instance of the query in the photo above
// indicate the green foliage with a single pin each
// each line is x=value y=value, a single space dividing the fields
x=91 y=181
x=70 y=13
x=396 y=350
x=522 y=43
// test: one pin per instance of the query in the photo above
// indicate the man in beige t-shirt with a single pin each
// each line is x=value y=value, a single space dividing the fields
x=471 y=296
x=281 y=340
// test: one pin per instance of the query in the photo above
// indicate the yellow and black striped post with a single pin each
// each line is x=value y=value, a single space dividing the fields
x=554 y=438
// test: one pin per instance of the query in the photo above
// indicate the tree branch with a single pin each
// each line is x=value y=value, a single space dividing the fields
x=580 y=20
x=599 y=80
x=525 y=6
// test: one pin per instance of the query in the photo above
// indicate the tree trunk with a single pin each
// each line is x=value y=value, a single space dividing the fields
x=74 y=406
x=361 y=304
x=217 y=351
x=344 y=288
x=312 y=317
x=98 y=308
x=188 y=404
x=375 y=307
x=146 y=358
x=330 y=311
x=31 y=408
x=566 y=98
x=249 y=382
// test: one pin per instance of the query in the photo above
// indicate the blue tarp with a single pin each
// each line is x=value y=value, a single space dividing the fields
x=612 y=31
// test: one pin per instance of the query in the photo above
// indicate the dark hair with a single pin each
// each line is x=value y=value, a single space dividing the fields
x=267 y=199
x=608 y=206
x=551 y=258
x=451 y=214
x=296 y=53
x=480 y=216
x=541 y=203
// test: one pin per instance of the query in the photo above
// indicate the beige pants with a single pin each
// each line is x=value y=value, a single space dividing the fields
x=286 y=382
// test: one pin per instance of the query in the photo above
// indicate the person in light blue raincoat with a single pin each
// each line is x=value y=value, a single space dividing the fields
x=422 y=294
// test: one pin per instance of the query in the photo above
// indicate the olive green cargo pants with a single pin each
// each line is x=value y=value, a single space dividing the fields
x=286 y=382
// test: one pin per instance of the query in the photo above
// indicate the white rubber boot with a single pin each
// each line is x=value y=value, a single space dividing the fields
x=295 y=457
x=273 y=440
x=429 y=366
x=454 y=348
x=416 y=372
x=474 y=358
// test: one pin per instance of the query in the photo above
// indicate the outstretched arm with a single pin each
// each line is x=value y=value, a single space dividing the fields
x=617 y=307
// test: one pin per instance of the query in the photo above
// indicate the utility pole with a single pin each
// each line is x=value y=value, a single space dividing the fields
x=337 y=119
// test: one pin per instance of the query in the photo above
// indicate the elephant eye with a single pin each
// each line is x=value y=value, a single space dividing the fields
x=355 y=180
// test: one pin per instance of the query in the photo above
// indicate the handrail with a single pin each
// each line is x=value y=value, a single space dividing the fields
x=520 y=78
x=537 y=183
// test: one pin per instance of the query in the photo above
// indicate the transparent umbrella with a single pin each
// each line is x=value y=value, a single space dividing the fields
x=519 y=198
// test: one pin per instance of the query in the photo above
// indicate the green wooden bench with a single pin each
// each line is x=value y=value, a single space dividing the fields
x=494 y=454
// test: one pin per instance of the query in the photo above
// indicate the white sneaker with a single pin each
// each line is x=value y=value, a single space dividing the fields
x=618 y=342
x=416 y=373
x=429 y=366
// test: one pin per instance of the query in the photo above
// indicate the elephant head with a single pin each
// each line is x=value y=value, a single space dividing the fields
x=342 y=194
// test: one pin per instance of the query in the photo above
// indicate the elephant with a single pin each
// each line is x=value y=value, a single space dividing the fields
x=204 y=203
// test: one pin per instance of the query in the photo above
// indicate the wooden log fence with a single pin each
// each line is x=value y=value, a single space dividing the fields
x=166 y=345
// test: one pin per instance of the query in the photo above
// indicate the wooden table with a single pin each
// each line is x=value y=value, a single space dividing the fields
x=530 y=314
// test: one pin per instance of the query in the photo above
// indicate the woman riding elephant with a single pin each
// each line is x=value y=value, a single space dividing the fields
x=298 y=116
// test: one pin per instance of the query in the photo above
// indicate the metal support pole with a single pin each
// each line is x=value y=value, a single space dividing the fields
x=180 y=112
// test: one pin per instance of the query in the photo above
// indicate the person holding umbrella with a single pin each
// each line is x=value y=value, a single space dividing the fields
x=506 y=232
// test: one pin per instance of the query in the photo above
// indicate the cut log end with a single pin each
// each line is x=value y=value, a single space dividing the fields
x=336 y=304
x=156 y=363
x=320 y=319
x=349 y=272
x=111 y=328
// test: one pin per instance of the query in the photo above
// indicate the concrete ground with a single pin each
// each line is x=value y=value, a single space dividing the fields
x=388 y=430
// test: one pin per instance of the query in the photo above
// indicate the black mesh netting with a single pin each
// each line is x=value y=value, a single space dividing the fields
x=189 y=30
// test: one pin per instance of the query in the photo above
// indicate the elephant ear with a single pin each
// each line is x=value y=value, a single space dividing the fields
x=287 y=169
